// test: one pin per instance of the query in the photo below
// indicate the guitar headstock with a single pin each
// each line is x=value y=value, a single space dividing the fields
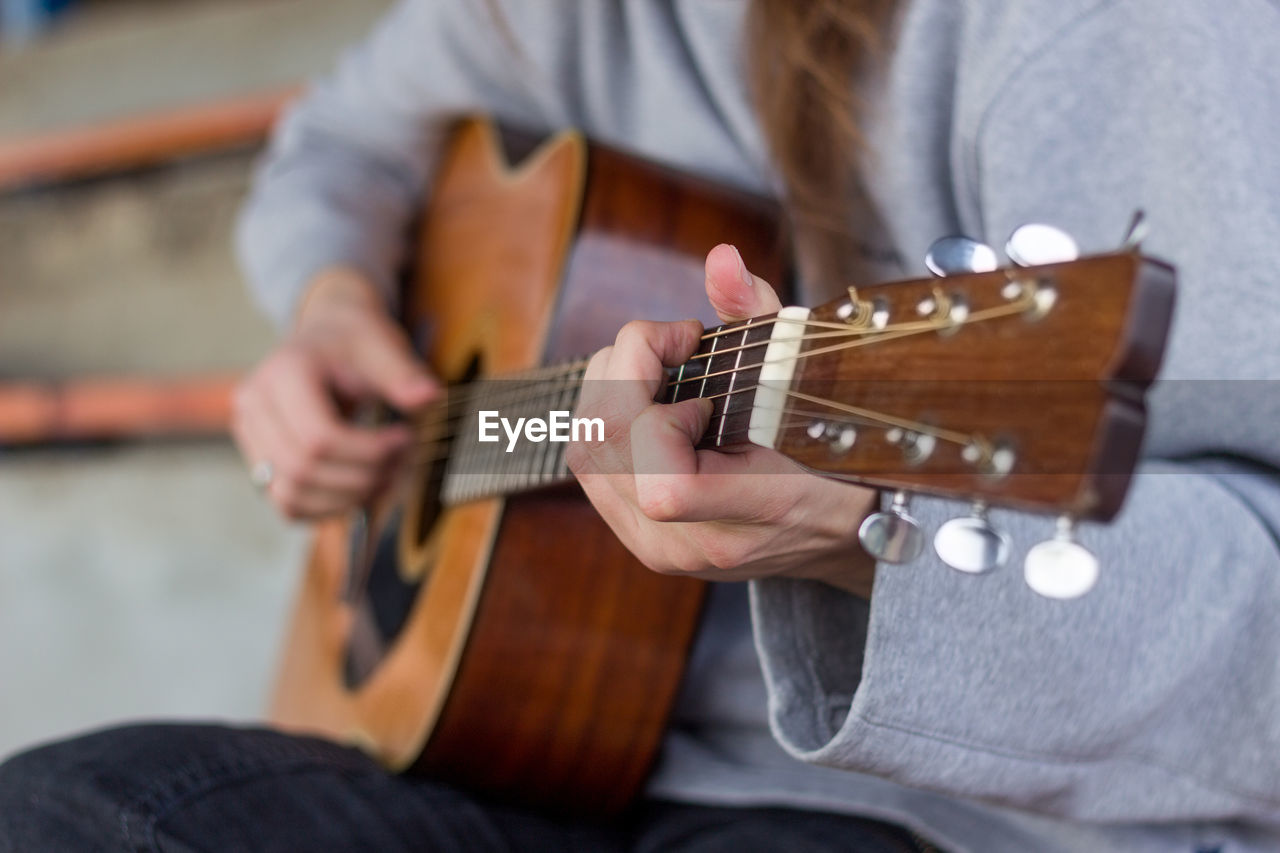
x=1021 y=387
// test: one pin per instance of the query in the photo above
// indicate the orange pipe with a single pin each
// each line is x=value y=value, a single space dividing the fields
x=42 y=413
x=140 y=141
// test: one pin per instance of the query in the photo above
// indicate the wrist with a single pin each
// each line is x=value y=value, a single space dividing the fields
x=335 y=291
x=853 y=571
x=848 y=567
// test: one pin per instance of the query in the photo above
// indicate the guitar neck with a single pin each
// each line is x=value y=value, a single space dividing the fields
x=493 y=453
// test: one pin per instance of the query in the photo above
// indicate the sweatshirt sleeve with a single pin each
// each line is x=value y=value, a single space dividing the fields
x=1154 y=697
x=349 y=164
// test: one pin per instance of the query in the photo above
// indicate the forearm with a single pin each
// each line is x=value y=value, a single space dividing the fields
x=319 y=204
x=349 y=166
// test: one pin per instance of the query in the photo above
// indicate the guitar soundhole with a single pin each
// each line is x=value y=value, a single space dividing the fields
x=392 y=588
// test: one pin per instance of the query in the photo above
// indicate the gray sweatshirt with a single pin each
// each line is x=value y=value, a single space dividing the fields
x=1144 y=717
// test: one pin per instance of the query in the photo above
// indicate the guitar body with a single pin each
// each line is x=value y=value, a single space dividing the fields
x=513 y=645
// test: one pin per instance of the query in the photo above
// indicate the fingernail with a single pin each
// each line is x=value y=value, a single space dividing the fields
x=742 y=269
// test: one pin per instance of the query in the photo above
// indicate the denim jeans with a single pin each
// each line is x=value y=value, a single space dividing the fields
x=217 y=788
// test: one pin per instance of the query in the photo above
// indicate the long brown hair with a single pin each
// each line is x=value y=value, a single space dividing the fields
x=805 y=57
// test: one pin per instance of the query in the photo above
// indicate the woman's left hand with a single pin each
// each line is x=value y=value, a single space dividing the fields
x=738 y=515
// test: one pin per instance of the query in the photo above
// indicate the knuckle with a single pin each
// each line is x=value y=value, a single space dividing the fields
x=660 y=499
x=723 y=553
x=288 y=499
x=595 y=370
x=291 y=469
x=315 y=444
x=633 y=334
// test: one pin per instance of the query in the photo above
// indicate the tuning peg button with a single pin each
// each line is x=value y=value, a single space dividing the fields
x=1035 y=244
x=971 y=544
x=1061 y=568
x=957 y=255
x=892 y=536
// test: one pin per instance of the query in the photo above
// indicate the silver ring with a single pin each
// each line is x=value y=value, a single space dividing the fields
x=261 y=475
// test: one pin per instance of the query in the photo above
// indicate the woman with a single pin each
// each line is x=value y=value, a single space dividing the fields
x=971 y=713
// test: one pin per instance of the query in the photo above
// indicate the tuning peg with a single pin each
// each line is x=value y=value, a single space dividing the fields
x=892 y=536
x=1035 y=244
x=1061 y=568
x=971 y=544
x=957 y=255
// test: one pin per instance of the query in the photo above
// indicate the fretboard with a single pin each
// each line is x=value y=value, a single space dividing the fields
x=725 y=369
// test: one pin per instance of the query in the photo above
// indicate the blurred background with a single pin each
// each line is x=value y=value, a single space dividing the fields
x=140 y=574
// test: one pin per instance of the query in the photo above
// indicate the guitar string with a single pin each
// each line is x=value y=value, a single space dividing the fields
x=889 y=334
x=501 y=484
x=557 y=372
x=1025 y=301
x=423 y=424
x=449 y=436
x=868 y=415
x=857 y=415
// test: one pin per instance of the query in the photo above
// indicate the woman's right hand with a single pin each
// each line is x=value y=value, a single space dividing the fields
x=344 y=347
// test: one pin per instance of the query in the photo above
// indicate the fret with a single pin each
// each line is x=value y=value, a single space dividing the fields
x=570 y=390
x=458 y=484
x=728 y=400
x=490 y=481
x=679 y=381
x=510 y=403
x=485 y=459
x=533 y=474
x=686 y=385
x=711 y=364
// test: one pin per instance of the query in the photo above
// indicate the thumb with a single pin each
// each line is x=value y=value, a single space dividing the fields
x=386 y=362
x=734 y=292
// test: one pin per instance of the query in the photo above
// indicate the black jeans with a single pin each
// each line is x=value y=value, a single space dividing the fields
x=215 y=788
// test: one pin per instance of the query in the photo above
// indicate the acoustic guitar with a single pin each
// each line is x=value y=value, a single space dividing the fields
x=482 y=624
